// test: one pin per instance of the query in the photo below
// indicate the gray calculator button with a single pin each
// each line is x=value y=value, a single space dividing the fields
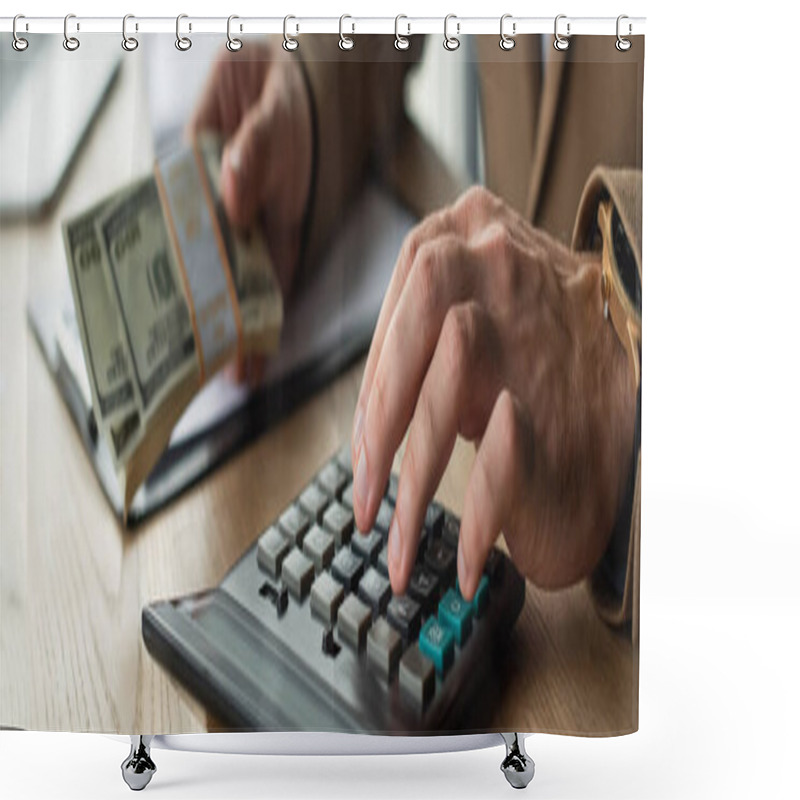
x=383 y=561
x=272 y=548
x=347 y=568
x=313 y=501
x=391 y=489
x=339 y=521
x=367 y=545
x=375 y=591
x=417 y=679
x=434 y=518
x=294 y=523
x=405 y=615
x=450 y=530
x=297 y=573
x=422 y=544
x=344 y=461
x=423 y=586
x=383 y=648
x=318 y=546
x=353 y=621
x=347 y=496
x=384 y=518
x=332 y=479
x=326 y=597
x=441 y=559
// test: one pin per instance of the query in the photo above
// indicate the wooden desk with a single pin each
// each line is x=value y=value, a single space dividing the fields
x=73 y=582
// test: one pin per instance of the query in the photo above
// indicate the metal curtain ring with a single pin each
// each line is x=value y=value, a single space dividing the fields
x=345 y=42
x=129 y=43
x=451 y=43
x=233 y=44
x=507 y=42
x=71 y=43
x=401 y=42
x=183 y=43
x=18 y=43
x=623 y=44
x=561 y=42
x=289 y=42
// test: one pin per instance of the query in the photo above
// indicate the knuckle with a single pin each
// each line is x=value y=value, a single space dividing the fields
x=476 y=197
x=378 y=406
x=425 y=278
x=459 y=338
x=500 y=243
x=411 y=245
x=422 y=233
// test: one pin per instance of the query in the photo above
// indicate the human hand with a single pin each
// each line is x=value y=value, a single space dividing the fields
x=259 y=103
x=493 y=330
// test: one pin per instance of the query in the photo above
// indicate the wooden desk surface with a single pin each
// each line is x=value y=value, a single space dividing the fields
x=73 y=582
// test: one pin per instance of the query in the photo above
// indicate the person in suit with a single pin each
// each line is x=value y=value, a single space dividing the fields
x=495 y=325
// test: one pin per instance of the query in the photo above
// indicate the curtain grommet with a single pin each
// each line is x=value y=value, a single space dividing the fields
x=451 y=43
x=290 y=43
x=561 y=43
x=507 y=42
x=401 y=42
x=183 y=43
x=622 y=44
x=19 y=43
x=71 y=43
x=346 y=43
x=129 y=43
x=233 y=44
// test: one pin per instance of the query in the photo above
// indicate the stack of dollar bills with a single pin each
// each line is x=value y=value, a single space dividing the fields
x=166 y=292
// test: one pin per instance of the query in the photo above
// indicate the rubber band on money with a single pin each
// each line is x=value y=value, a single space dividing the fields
x=184 y=277
x=223 y=253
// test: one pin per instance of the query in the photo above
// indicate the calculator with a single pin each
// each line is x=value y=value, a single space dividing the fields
x=304 y=632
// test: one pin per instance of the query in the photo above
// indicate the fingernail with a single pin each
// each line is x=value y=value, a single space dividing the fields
x=358 y=425
x=361 y=483
x=462 y=569
x=394 y=544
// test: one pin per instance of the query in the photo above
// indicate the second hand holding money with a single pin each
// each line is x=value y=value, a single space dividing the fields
x=261 y=108
x=165 y=293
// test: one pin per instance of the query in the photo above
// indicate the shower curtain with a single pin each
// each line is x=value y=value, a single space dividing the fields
x=321 y=381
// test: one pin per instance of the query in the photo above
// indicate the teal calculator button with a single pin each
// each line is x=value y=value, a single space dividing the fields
x=481 y=599
x=456 y=613
x=437 y=643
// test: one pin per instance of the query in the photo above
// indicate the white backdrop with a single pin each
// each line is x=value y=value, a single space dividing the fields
x=720 y=536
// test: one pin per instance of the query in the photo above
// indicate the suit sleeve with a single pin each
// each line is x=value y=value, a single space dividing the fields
x=614 y=584
x=357 y=114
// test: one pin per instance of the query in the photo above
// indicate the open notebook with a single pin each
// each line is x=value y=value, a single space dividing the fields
x=327 y=325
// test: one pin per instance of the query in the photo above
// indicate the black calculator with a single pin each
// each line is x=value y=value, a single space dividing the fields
x=304 y=632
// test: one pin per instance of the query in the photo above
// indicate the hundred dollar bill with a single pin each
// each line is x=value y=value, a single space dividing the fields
x=166 y=292
x=104 y=355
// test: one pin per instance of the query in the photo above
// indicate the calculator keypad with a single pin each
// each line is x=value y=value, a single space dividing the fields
x=315 y=551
